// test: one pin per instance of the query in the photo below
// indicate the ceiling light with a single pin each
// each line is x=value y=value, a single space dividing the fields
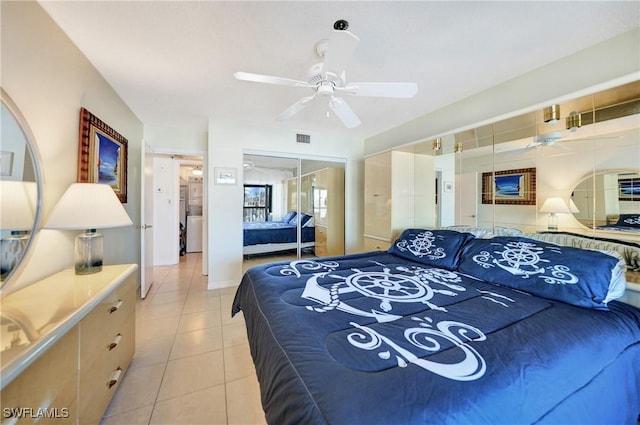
x=197 y=171
x=551 y=114
x=573 y=121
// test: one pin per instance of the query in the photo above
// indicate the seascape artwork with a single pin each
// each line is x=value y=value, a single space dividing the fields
x=509 y=185
x=108 y=160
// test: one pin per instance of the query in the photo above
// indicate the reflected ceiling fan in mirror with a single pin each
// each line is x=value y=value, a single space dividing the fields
x=549 y=139
x=328 y=80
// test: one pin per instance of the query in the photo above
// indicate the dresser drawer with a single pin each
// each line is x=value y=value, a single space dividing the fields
x=100 y=379
x=100 y=327
x=56 y=375
x=371 y=244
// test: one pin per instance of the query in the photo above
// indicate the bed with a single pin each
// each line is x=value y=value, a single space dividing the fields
x=271 y=236
x=445 y=328
x=624 y=223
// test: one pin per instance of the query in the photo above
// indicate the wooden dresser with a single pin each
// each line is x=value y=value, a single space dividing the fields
x=66 y=343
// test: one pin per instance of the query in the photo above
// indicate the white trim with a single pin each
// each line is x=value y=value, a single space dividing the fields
x=273 y=247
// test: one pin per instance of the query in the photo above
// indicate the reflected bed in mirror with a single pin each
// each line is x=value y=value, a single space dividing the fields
x=609 y=201
x=20 y=190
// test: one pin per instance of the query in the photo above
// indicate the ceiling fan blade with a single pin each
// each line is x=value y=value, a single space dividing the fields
x=398 y=90
x=295 y=108
x=340 y=49
x=514 y=149
x=269 y=79
x=344 y=112
x=579 y=139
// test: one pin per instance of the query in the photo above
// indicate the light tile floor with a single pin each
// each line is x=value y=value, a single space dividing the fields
x=192 y=363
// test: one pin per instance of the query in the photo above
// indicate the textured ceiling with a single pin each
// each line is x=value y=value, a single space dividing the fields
x=173 y=62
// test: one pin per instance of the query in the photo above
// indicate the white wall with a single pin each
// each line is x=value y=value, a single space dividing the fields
x=173 y=140
x=227 y=142
x=50 y=80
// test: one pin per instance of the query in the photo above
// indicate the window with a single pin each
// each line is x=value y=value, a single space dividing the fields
x=257 y=202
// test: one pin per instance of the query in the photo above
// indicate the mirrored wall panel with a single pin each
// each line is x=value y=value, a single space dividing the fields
x=293 y=208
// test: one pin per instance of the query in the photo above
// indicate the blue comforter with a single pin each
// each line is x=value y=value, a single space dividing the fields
x=376 y=339
x=264 y=232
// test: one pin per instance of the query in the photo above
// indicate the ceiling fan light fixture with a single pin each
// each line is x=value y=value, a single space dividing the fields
x=573 y=121
x=551 y=114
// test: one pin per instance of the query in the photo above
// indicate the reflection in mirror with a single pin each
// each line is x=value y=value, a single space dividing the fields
x=292 y=208
x=20 y=189
x=599 y=131
x=609 y=201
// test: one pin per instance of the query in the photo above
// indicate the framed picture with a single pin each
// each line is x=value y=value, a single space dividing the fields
x=102 y=155
x=225 y=175
x=510 y=187
x=629 y=189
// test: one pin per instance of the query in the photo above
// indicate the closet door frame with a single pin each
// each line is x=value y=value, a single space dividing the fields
x=299 y=172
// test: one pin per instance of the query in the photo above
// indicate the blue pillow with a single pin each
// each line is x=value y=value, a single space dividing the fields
x=291 y=215
x=581 y=277
x=437 y=248
x=629 y=220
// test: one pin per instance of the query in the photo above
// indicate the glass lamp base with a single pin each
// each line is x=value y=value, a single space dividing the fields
x=88 y=252
x=12 y=248
x=553 y=222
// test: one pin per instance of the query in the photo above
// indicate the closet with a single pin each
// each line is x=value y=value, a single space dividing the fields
x=388 y=197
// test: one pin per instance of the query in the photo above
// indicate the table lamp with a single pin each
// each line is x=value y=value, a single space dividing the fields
x=88 y=206
x=17 y=215
x=554 y=206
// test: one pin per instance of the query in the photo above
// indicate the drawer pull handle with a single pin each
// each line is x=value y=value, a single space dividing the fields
x=115 y=377
x=115 y=307
x=115 y=342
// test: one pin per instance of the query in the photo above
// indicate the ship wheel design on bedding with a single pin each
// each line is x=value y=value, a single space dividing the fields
x=402 y=285
x=521 y=258
x=390 y=287
x=524 y=259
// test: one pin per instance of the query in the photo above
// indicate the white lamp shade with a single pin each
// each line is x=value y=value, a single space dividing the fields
x=555 y=205
x=88 y=206
x=18 y=201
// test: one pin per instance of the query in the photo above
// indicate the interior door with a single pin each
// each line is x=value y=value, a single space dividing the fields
x=146 y=220
x=467 y=199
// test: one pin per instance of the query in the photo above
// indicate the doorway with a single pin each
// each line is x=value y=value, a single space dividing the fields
x=179 y=214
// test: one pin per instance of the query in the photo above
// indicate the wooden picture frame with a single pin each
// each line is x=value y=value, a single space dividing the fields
x=629 y=189
x=102 y=154
x=509 y=187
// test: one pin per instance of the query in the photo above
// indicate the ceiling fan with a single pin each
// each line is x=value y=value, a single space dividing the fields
x=328 y=79
x=549 y=139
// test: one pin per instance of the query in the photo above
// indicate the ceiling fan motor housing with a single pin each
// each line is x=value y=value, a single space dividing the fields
x=325 y=89
x=341 y=25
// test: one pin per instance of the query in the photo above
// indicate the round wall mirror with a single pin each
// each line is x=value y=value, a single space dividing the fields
x=609 y=200
x=20 y=190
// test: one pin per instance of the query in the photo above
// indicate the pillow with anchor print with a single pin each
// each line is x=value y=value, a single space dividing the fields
x=629 y=220
x=582 y=277
x=437 y=248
